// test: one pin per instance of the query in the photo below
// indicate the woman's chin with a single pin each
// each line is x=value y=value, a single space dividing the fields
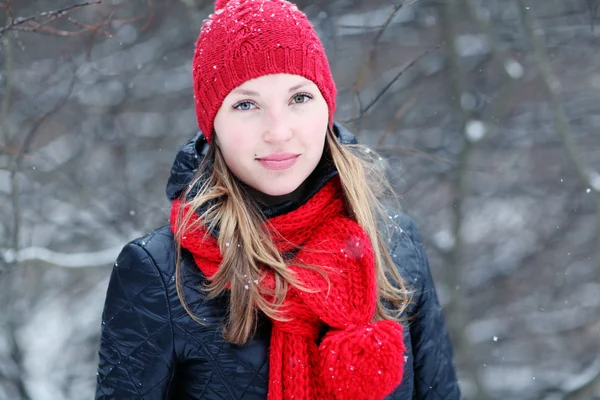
x=279 y=190
x=280 y=186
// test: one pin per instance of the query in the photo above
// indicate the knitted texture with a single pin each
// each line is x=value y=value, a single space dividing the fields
x=246 y=39
x=357 y=358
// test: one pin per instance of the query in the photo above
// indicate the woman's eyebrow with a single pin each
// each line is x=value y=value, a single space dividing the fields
x=246 y=92
x=296 y=87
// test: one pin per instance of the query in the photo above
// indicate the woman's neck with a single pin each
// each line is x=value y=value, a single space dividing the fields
x=272 y=206
x=268 y=200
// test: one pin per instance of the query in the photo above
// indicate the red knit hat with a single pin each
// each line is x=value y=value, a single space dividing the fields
x=246 y=39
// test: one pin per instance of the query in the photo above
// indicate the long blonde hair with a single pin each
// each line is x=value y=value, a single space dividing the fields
x=222 y=203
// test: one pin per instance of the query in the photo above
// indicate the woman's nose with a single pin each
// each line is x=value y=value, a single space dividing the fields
x=277 y=127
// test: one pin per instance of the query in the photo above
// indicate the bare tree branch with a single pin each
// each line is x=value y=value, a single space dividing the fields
x=31 y=24
x=8 y=60
x=150 y=15
x=398 y=75
x=65 y=260
x=87 y=27
x=511 y=67
x=387 y=22
x=16 y=354
x=578 y=387
x=458 y=307
x=49 y=15
x=552 y=88
x=389 y=85
x=583 y=384
x=34 y=129
x=360 y=79
x=593 y=6
x=397 y=117
x=42 y=28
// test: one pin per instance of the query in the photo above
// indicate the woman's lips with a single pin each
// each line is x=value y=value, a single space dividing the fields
x=278 y=162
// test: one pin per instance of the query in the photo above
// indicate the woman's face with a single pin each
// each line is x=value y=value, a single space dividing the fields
x=271 y=131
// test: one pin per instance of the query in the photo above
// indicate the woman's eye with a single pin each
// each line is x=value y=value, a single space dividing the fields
x=301 y=98
x=244 y=106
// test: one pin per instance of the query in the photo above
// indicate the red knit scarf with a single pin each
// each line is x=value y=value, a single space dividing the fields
x=357 y=359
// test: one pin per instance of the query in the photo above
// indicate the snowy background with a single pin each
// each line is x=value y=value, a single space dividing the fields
x=487 y=110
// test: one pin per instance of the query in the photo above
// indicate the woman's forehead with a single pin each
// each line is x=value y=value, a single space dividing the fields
x=273 y=82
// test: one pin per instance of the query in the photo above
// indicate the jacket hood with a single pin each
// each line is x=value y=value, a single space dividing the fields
x=190 y=156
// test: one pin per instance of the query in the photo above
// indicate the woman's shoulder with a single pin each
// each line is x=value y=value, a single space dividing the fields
x=403 y=225
x=405 y=246
x=156 y=253
x=160 y=247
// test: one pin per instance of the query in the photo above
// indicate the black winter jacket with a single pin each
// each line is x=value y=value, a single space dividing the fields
x=152 y=349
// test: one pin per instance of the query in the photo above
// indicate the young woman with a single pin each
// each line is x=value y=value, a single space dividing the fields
x=280 y=275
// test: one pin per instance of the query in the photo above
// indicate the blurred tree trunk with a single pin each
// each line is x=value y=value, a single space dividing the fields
x=553 y=88
x=458 y=309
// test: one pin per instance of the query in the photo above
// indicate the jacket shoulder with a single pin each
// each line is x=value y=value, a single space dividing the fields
x=404 y=245
x=405 y=224
x=160 y=247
